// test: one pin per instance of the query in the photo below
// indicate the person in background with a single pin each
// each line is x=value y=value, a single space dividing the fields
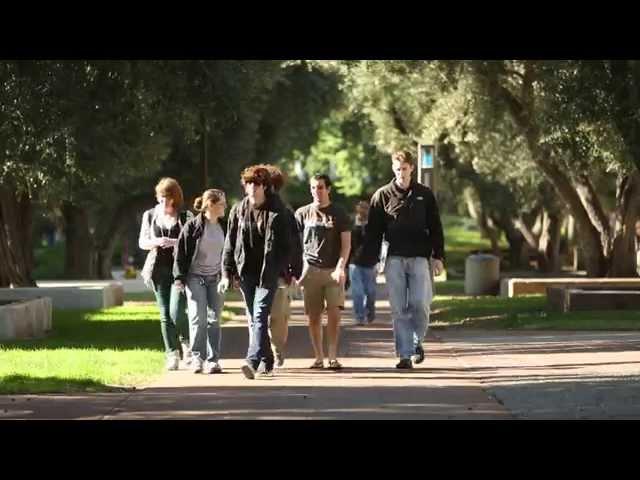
x=362 y=271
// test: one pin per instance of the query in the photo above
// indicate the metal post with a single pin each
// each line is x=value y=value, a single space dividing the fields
x=205 y=156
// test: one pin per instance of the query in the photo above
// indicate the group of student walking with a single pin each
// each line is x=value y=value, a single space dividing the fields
x=265 y=249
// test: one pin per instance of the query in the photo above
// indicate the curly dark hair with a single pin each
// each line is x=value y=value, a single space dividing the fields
x=324 y=177
x=278 y=178
x=256 y=174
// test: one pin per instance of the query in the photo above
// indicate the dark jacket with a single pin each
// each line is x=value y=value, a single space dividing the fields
x=276 y=242
x=188 y=243
x=358 y=235
x=294 y=263
x=411 y=224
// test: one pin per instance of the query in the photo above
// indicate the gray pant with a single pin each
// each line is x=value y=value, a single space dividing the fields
x=410 y=294
x=204 y=304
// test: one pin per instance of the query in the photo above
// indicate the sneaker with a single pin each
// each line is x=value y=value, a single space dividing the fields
x=213 y=367
x=404 y=363
x=197 y=365
x=359 y=323
x=173 y=361
x=186 y=352
x=419 y=358
x=248 y=371
x=263 y=371
x=371 y=319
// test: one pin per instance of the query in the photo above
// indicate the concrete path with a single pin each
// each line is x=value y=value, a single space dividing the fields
x=467 y=375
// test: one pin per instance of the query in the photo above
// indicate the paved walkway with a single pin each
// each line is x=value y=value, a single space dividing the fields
x=467 y=375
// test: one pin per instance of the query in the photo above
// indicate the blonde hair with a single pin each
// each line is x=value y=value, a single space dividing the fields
x=170 y=188
x=212 y=195
x=403 y=156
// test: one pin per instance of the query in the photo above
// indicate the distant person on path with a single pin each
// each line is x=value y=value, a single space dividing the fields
x=326 y=230
x=406 y=214
x=256 y=251
x=362 y=272
x=159 y=233
x=198 y=266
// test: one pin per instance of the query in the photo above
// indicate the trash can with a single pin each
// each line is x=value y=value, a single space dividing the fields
x=482 y=274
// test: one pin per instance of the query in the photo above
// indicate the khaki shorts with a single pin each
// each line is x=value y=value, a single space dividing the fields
x=318 y=288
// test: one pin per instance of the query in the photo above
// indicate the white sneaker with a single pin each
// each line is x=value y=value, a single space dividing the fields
x=196 y=365
x=173 y=361
x=213 y=367
x=186 y=352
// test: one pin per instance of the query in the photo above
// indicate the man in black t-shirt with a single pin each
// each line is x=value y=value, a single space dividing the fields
x=326 y=231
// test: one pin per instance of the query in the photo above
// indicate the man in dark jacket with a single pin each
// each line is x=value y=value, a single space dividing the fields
x=281 y=307
x=406 y=214
x=256 y=251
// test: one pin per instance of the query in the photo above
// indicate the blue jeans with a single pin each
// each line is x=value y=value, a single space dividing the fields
x=204 y=304
x=363 y=292
x=410 y=294
x=258 y=301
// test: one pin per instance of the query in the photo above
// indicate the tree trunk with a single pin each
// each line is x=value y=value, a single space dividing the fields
x=111 y=229
x=79 y=252
x=589 y=236
x=549 y=243
x=488 y=231
x=522 y=110
x=104 y=256
x=517 y=258
x=592 y=205
x=16 y=245
x=623 y=254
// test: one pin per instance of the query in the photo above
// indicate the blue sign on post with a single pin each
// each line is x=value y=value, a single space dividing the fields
x=427 y=156
x=426 y=165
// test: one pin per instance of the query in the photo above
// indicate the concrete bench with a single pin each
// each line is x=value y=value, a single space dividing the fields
x=512 y=287
x=71 y=295
x=565 y=300
x=25 y=319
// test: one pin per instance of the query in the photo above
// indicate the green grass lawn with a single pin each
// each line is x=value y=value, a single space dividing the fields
x=88 y=351
x=49 y=262
x=148 y=296
x=462 y=236
x=452 y=309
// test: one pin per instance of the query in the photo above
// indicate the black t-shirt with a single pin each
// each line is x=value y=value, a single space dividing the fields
x=254 y=255
x=164 y=260
x=321 y=229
